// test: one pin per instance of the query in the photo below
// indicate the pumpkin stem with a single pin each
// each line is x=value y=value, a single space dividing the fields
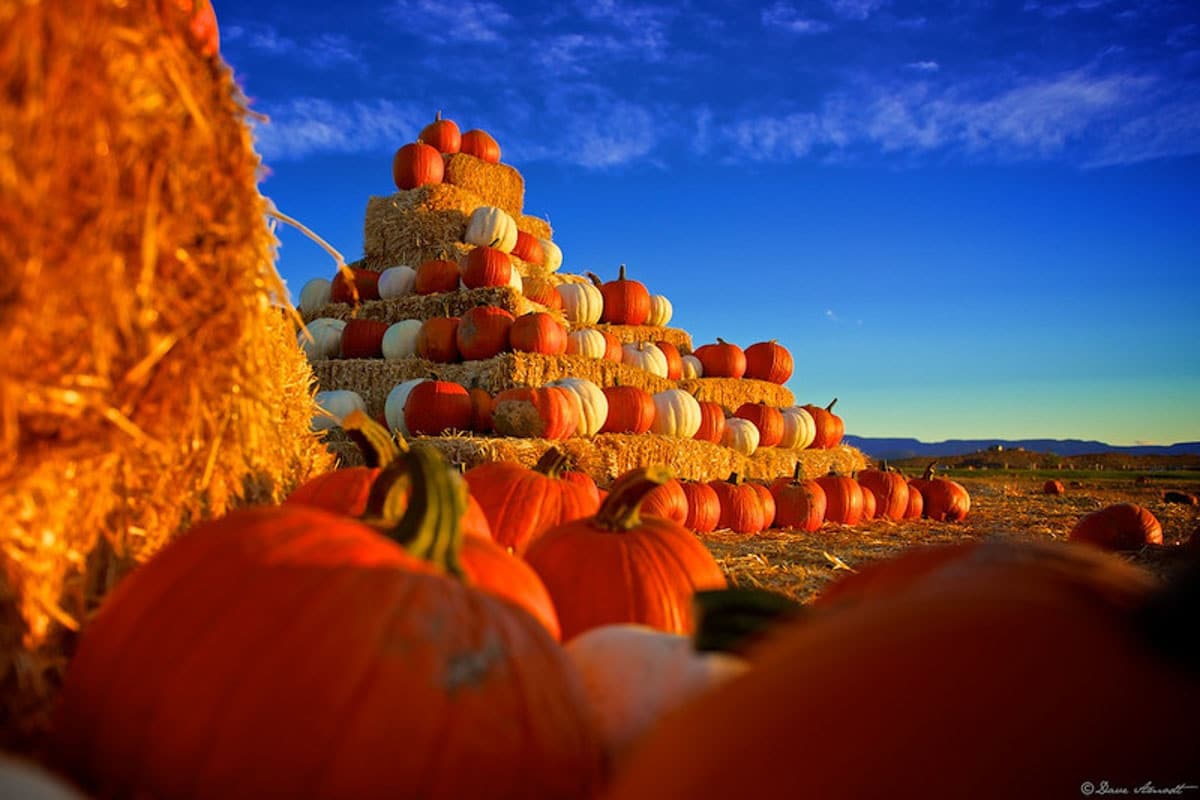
x=438 y=116
x=594 y=278
x=735 y=479
x=430 y=527
x=721 y=341
x=929 y=471
x=798 y=472
x=377 y=445
x=621 y=273
x=621 y=510
x=832 y=403
x=730 y=620
x=552 y=463
x=494 y=242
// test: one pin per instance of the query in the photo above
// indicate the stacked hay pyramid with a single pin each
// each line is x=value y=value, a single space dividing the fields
x=453 y=252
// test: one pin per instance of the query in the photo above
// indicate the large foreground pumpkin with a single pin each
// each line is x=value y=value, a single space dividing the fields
x=1008 y=673
x=286 y=652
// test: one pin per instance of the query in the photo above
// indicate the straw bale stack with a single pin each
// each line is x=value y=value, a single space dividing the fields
x=496 y=185
x=730 y=393
x=648 y=333
x=373 y=378
x=534 y=226
x=433 y=305
x=416 y=225
x=769 y=463
x=148 y=380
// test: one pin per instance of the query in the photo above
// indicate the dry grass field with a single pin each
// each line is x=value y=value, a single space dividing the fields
x=800 y=564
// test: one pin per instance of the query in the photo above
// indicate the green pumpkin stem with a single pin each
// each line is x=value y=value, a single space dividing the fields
x=374 y=441
x=832 y=403
x=730 y=620
x=621 y=510
x=430 y=527
x=595 y=279
x=552 y=463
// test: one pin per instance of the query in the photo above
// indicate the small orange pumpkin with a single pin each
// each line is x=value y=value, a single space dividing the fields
x=1124 y=526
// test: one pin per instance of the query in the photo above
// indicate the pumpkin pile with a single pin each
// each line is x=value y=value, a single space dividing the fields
x=477 y=340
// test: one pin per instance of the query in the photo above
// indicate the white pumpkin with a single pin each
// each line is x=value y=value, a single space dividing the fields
x=552 y=257
x=587 y=342
x=324 y=338
x=676 y=413
x=633 y=675
x=692 y=368
x=400 y=339
x=516 y=281
x=393 y=407
x=397 y=282
x=660 y=311
x=741 y=435
x=647 y=356
x=315 y=295
x=582 y=303
x=593 y=404
x=492 y=227
x=336 y=403
x=799 y=428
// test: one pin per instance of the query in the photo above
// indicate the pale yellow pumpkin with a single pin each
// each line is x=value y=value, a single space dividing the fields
x=492 y=227
x=593 y=404
x=582 y=303
x=633 y=675
x=552 y=257
x=799 y=428
x=315 y=295
x=336 y=404
x=660 y=311
x=692 y=368
x=647 y=356
x=396 y=282
x=324 y=338
x=741 y=435
x=588 y=342
x=393 y=407
x=676 y=413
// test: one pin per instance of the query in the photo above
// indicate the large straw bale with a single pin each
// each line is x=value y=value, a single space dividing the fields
x=373 y=378
x=416 y=225
x=769 y=463
x=730 y=393
x=433 y=305
x=534 y=226
x=498 y=185
x=148 y=381
x=648 y=333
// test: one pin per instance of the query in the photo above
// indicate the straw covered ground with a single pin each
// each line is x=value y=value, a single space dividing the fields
x=800 y=564
x=149 y=382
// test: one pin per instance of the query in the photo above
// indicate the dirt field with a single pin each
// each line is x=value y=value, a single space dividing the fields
x=800 y=564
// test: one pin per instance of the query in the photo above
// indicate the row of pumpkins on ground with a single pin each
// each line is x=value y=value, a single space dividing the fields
x=421 y=627
x=570 y=407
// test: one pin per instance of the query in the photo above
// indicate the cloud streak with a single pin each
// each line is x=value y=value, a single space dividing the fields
x=785 y=17
x=462 y=21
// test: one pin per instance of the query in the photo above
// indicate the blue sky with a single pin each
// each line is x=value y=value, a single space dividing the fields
x=965 y=219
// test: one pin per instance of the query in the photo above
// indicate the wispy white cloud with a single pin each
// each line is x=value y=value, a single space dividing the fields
x=923 y=66
x=462 y=21
x=644 y=28
x=855 y=9
x=594 y=128
x=307 y=126
x=784 y=16
x=831 y=316
x=323 y=51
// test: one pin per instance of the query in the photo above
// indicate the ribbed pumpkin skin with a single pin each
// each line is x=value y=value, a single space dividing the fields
x=667 y=501
x=767 y=500
x=366 y=281
x=442 y=134
x=646 y=575
x=626 y=302
x=799 y=504
x=436 y=276
x=528 y=248
x=767 y=419
x=542 y=291
x=548 y=412
x=916 y=503
x=830 y=427
x=434 y=407
x=944 y=500
x=491 y=568
x=480 y=144
x=722 y=360
x=416 y=165
x=483 y=332
x=890 y=491
x=438 y=340
x=674 y=360
x=1123 y=526
x=1027 y=645
x=630 y=410
x=614 y=350
x=538 y=332
x=741 y=507
x=363 y=338
x=768 y=361
x=521 y=504
x=234 y=664
x=704 y=507
x=843 y=499
x=712 y=423
x=486 y=266
x=868 y=503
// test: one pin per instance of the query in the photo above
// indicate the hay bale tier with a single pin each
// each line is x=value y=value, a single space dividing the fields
x=431 y=222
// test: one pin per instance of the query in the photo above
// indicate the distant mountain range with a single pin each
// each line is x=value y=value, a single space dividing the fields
x=887 y=449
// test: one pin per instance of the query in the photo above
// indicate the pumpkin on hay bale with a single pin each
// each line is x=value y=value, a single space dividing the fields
x=150 y=381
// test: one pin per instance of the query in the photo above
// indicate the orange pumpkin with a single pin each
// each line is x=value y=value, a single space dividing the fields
x=436 y=276
x=768 y=361
x=1049 y=656
x=363 y=338
x=417 y=164
x=741 y=506
x=619 y=566
x=1124 y=526
x=830 y=427
x=364 y=282
x=674 y=360
x=538 y=332
x=843 y=499
x=799 y=503
x=442 y=134
x=481 y=145
x=481 y=410
x=630 y=410
x=890 y=491
x=434 y=407
x=667 y=501
x=868 y=503
x=483 y=331
x=528 y=248
x=1053 y=487
x=548 y=412
x=916 y=503
x=258 y=634
x=543 y=292
x=703 y=505
x=712 y=422
x=767 y=419
x=437 y=340
x=486 y=267
x=521 y=503
x=626 y=302
x=944 y=500
x=722 y=360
